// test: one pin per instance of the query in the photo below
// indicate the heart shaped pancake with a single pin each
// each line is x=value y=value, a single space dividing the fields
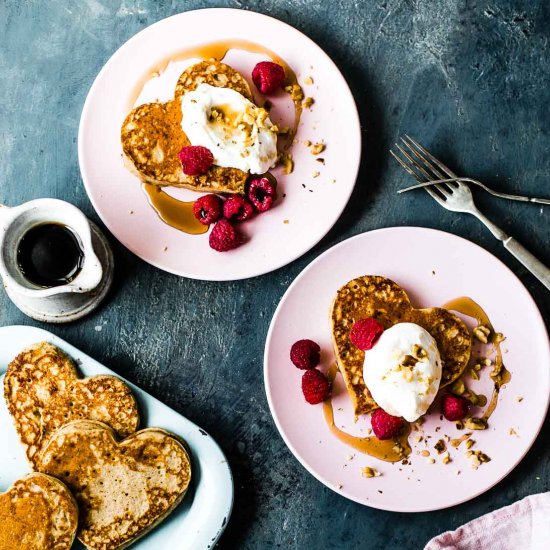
x=43 y=391
x=123 y=488
x=37 y=513
x=388 y=303
x=152 y=137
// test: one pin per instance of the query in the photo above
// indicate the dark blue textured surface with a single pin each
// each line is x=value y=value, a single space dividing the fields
x=469 y=79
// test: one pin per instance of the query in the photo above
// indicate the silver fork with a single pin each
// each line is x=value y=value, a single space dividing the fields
x=456 y=196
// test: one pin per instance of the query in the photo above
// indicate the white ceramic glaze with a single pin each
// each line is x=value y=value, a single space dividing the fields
x=16 y=221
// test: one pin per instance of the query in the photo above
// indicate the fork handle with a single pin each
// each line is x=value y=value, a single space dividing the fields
x=535 y=266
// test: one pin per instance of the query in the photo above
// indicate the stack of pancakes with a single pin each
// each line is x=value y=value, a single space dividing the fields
x=97 y=477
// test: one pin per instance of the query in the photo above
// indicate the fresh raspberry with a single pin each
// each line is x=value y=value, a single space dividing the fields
x=365 y=332
x=384 y=425
x=196 y=160
x=262 y=192
x=454 y=407
x=268 y=76
x=305 y=354
x=238 y=208
x=208 y=209
x=315 y=386
x=224 y=236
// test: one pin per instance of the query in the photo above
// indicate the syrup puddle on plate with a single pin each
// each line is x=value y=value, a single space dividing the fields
x=394 y=450
x=177 y=214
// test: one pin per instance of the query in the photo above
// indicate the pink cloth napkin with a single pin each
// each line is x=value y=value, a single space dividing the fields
x=524 y=525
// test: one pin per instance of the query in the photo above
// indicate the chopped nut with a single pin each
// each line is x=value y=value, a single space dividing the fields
x=307 y=143
x=286 y=222
x=431 y=460
x=482 y=333
x=425 y=453
x=317 y=148
x=458 y=387
x=511 y=431
x=308 y=102
x=288 y=163
x=369 y=472
x=295 y=92
x=459 y=425
x=308 y=80
x=447 y=458
x=474 y=423
x=440 y=446
x=418 y=438
x=470 y=443
x=315 y=174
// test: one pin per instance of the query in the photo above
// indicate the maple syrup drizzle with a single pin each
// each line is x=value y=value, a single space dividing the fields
x=218 y=51
x=390 y=450
x=176 y=213
x=468 y=307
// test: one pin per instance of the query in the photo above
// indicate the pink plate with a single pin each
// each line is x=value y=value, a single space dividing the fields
x=433 y=267
x=316 y=193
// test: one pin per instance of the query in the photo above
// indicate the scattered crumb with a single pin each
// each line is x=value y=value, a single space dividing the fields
x=98 y=328
x=315 y=174
x=367 y=471
x=286 y=221
x=470 y=443
x=307 y=143
x=511 y=431
x=287 y=162
x=317 y=148
x=295 y=91
x=458 y=472
x=425 y=453
x=440 y=446
x=349 y=457
x=321 y=160
x=165 y=248
x=131 y=211
x=339 y=487
x=519 y=398
x=308 y=80
x=447 y=458
x=308 y=102
x=431 y=460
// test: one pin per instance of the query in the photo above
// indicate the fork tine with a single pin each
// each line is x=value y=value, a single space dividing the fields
x=406 y=167
x=443 y=188
x=437 y=162
x=444 y=193
x=439 y=197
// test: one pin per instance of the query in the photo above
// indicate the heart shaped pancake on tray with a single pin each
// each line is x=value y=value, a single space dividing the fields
x=152 y=136
x=37 y=513
x=123 y=488
x=388 y=303
x=43 y=391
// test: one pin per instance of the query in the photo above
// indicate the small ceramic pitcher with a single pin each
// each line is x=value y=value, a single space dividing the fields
x=16 y=221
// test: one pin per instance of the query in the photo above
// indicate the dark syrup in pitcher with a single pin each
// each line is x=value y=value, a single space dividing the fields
x=49 y=255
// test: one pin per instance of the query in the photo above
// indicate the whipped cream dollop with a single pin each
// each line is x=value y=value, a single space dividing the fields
x=403 y=370
x=238 y=133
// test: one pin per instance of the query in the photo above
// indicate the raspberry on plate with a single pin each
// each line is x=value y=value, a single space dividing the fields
x=208 y=209
x=195 y=160
x=268 y=76
x=224 y=236
x=365 y=332
x=454 y=407
x=237 y=208
x=315 y=386
x=384 y=425
x=305 y=354
x=262 y=192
